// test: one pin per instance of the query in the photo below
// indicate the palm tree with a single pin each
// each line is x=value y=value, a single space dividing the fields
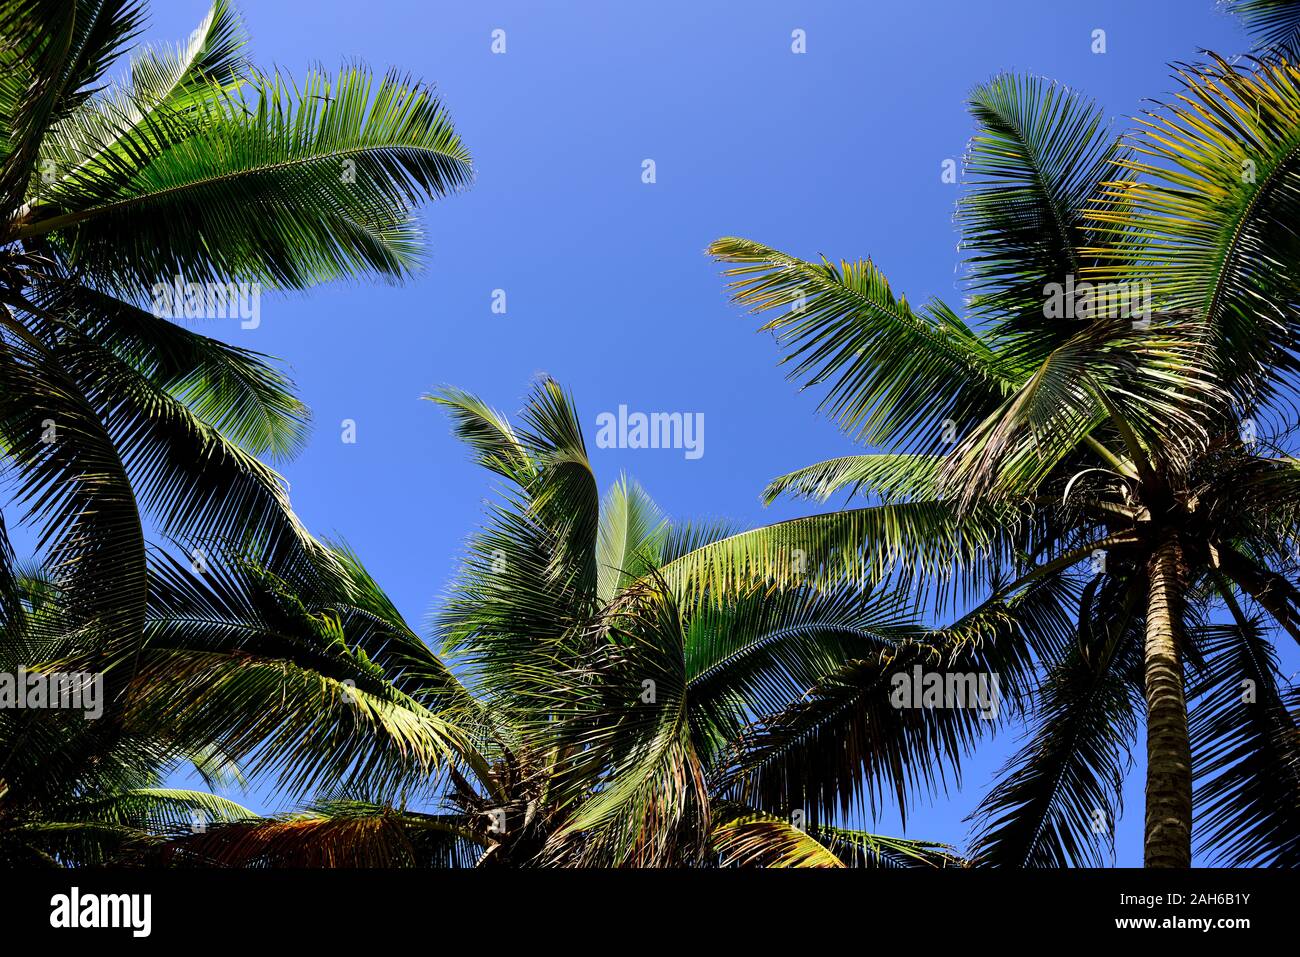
x=191 y=168
x=1125 y=457
x=601 y=716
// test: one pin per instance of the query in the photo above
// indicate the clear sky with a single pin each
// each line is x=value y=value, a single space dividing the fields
x=837 y=151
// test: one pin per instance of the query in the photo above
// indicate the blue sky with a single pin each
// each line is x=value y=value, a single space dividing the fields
x=837 y=151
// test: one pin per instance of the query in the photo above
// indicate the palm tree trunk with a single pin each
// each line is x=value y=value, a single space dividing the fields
x=1168 y=840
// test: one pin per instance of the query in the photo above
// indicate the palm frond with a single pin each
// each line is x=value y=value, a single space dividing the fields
x=636 y=783
x=1245 y=729
x=892 y=477
x=745 y=838
x=284 y=186
x=892 y=372
x=1059 y=797
x=1275 y=24
x=855 y=739
x=631 y=535
x=1206 y=215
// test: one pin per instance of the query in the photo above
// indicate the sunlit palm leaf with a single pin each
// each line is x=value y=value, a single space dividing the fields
x=894 y=375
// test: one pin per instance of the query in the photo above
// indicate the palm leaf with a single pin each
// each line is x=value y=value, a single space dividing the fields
x=282 y=186
x=1031 y=172
x=1275 y=24
x=892 y=371
x=1246 y=751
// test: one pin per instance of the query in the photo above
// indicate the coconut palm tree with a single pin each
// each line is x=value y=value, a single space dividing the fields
x=603 y=715
x=188 y=169
x=1139 y=452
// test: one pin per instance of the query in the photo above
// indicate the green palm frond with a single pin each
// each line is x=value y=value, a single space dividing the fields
x=1150 y=380
x=685 y=537
x=924 y=544
x=1245 y=730
x=194 y=481
x=289 y=187
x=528 y=584
x=1206 y=212
x=161 y=811
x=631 y=536
x=1275 y=24
x=1059 y=797
x=489 y=433
x=163 y=83
x=892 y=477
x=757 y=654
x=237 y=660
x=893 y=373
x=565 y=498
x=1035 y=163
x=851 y=742
x=235 y=391
x=71 y=479
x=53 y=54
x=629 y=730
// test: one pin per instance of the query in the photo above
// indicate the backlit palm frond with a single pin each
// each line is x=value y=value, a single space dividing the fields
x=489 y=434
x=890 y=476
x=924 y=545
x=742 y=837
x=1207 y=218
x=51 y=55
x=1150 y=379
x=289 y=187
x=863 y=850
x=565 y=498
x=893 y=374
x=1059 y=797
x=143 y=116
x=632 y=531
x=1031 y=172
x=528 y=585
x=375 y=626
x=1245 y=729
x=160 y=812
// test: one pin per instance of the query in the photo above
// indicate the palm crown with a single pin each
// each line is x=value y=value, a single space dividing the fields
x=193 y=168
x=601 y=717
x=1135 y=460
